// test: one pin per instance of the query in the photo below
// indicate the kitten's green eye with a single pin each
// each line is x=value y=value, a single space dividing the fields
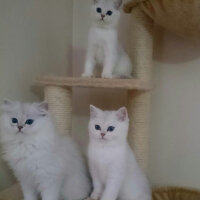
x=29 y=121
x=14 y=120
x=99 y=10
x=97 y=127
x=109 y=12
x=111 y=128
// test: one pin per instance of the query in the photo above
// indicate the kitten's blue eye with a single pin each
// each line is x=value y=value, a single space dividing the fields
x=14 y=120
x=109 y=12
x=111 y=128
x=97 y=127
x=29 y=121
x=99 y=10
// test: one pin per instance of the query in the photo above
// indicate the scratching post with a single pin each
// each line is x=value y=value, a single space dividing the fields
x=60 y=105
x=139 y=108
x=139 y=101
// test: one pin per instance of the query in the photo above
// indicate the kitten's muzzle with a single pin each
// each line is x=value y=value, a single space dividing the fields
x=102 y=16
x=103 y=134
x=20 y=128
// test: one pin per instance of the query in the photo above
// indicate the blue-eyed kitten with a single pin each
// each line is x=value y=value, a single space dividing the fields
x=103 y=46
x=113 y=167
x=44 y=162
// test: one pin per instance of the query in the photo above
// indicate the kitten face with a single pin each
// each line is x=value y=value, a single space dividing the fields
x=23 y=119
x=108 y=125
x=106 y=12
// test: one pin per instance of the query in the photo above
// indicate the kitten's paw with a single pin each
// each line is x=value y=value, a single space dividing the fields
x=125 y=77
x=87 y=75
x=106 y=75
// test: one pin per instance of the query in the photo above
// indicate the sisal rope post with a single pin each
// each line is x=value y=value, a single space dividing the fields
x=139 y=102
x=60 y=105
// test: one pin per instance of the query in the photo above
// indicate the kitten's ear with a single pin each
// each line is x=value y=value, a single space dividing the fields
x=94 y=111
x=122 y=114
x=95 y=1
x=118 y=4
x=6 y=105
x=7 y=102
x=44 y=106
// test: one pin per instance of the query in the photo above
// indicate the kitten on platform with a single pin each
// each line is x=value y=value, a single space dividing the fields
x=103 y=46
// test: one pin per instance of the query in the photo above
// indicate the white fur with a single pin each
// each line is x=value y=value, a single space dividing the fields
x=44 y=162
x=114 y=170
x=103 y=46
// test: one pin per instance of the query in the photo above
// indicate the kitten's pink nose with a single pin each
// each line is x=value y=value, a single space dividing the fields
x=103 y=134
x=102 y=16
x=20 y=128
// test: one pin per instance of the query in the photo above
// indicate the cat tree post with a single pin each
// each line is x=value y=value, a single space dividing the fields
x=141 y=42
x=60 y=105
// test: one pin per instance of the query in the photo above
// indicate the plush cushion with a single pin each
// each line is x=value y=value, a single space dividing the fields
x=179 y=16
x=175 y=193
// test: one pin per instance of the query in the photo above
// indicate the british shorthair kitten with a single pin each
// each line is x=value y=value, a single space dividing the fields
x=45 y=163
x=103 y=45
x=113 y=167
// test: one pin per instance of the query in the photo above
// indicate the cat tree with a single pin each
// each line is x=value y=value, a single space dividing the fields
x=179 y=16
x=58 y=93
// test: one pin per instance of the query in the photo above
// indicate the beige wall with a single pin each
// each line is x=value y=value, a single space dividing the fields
x=35 y=39
x=175 y=127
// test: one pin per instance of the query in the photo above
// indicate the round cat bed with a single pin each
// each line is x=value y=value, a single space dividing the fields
x=174 y=193
x=179 y=16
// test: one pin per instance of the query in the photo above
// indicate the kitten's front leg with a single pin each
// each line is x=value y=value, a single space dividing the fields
x=110 y=61
x=28 y=192
x=90 y=62
x=89 y=68
x=52 y=193
x=113 y=184
x=51 y=190
x=97 y=191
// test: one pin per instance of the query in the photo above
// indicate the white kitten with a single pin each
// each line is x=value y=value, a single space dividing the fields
x=44 y=162
x=104 y=48
x=113 y=167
